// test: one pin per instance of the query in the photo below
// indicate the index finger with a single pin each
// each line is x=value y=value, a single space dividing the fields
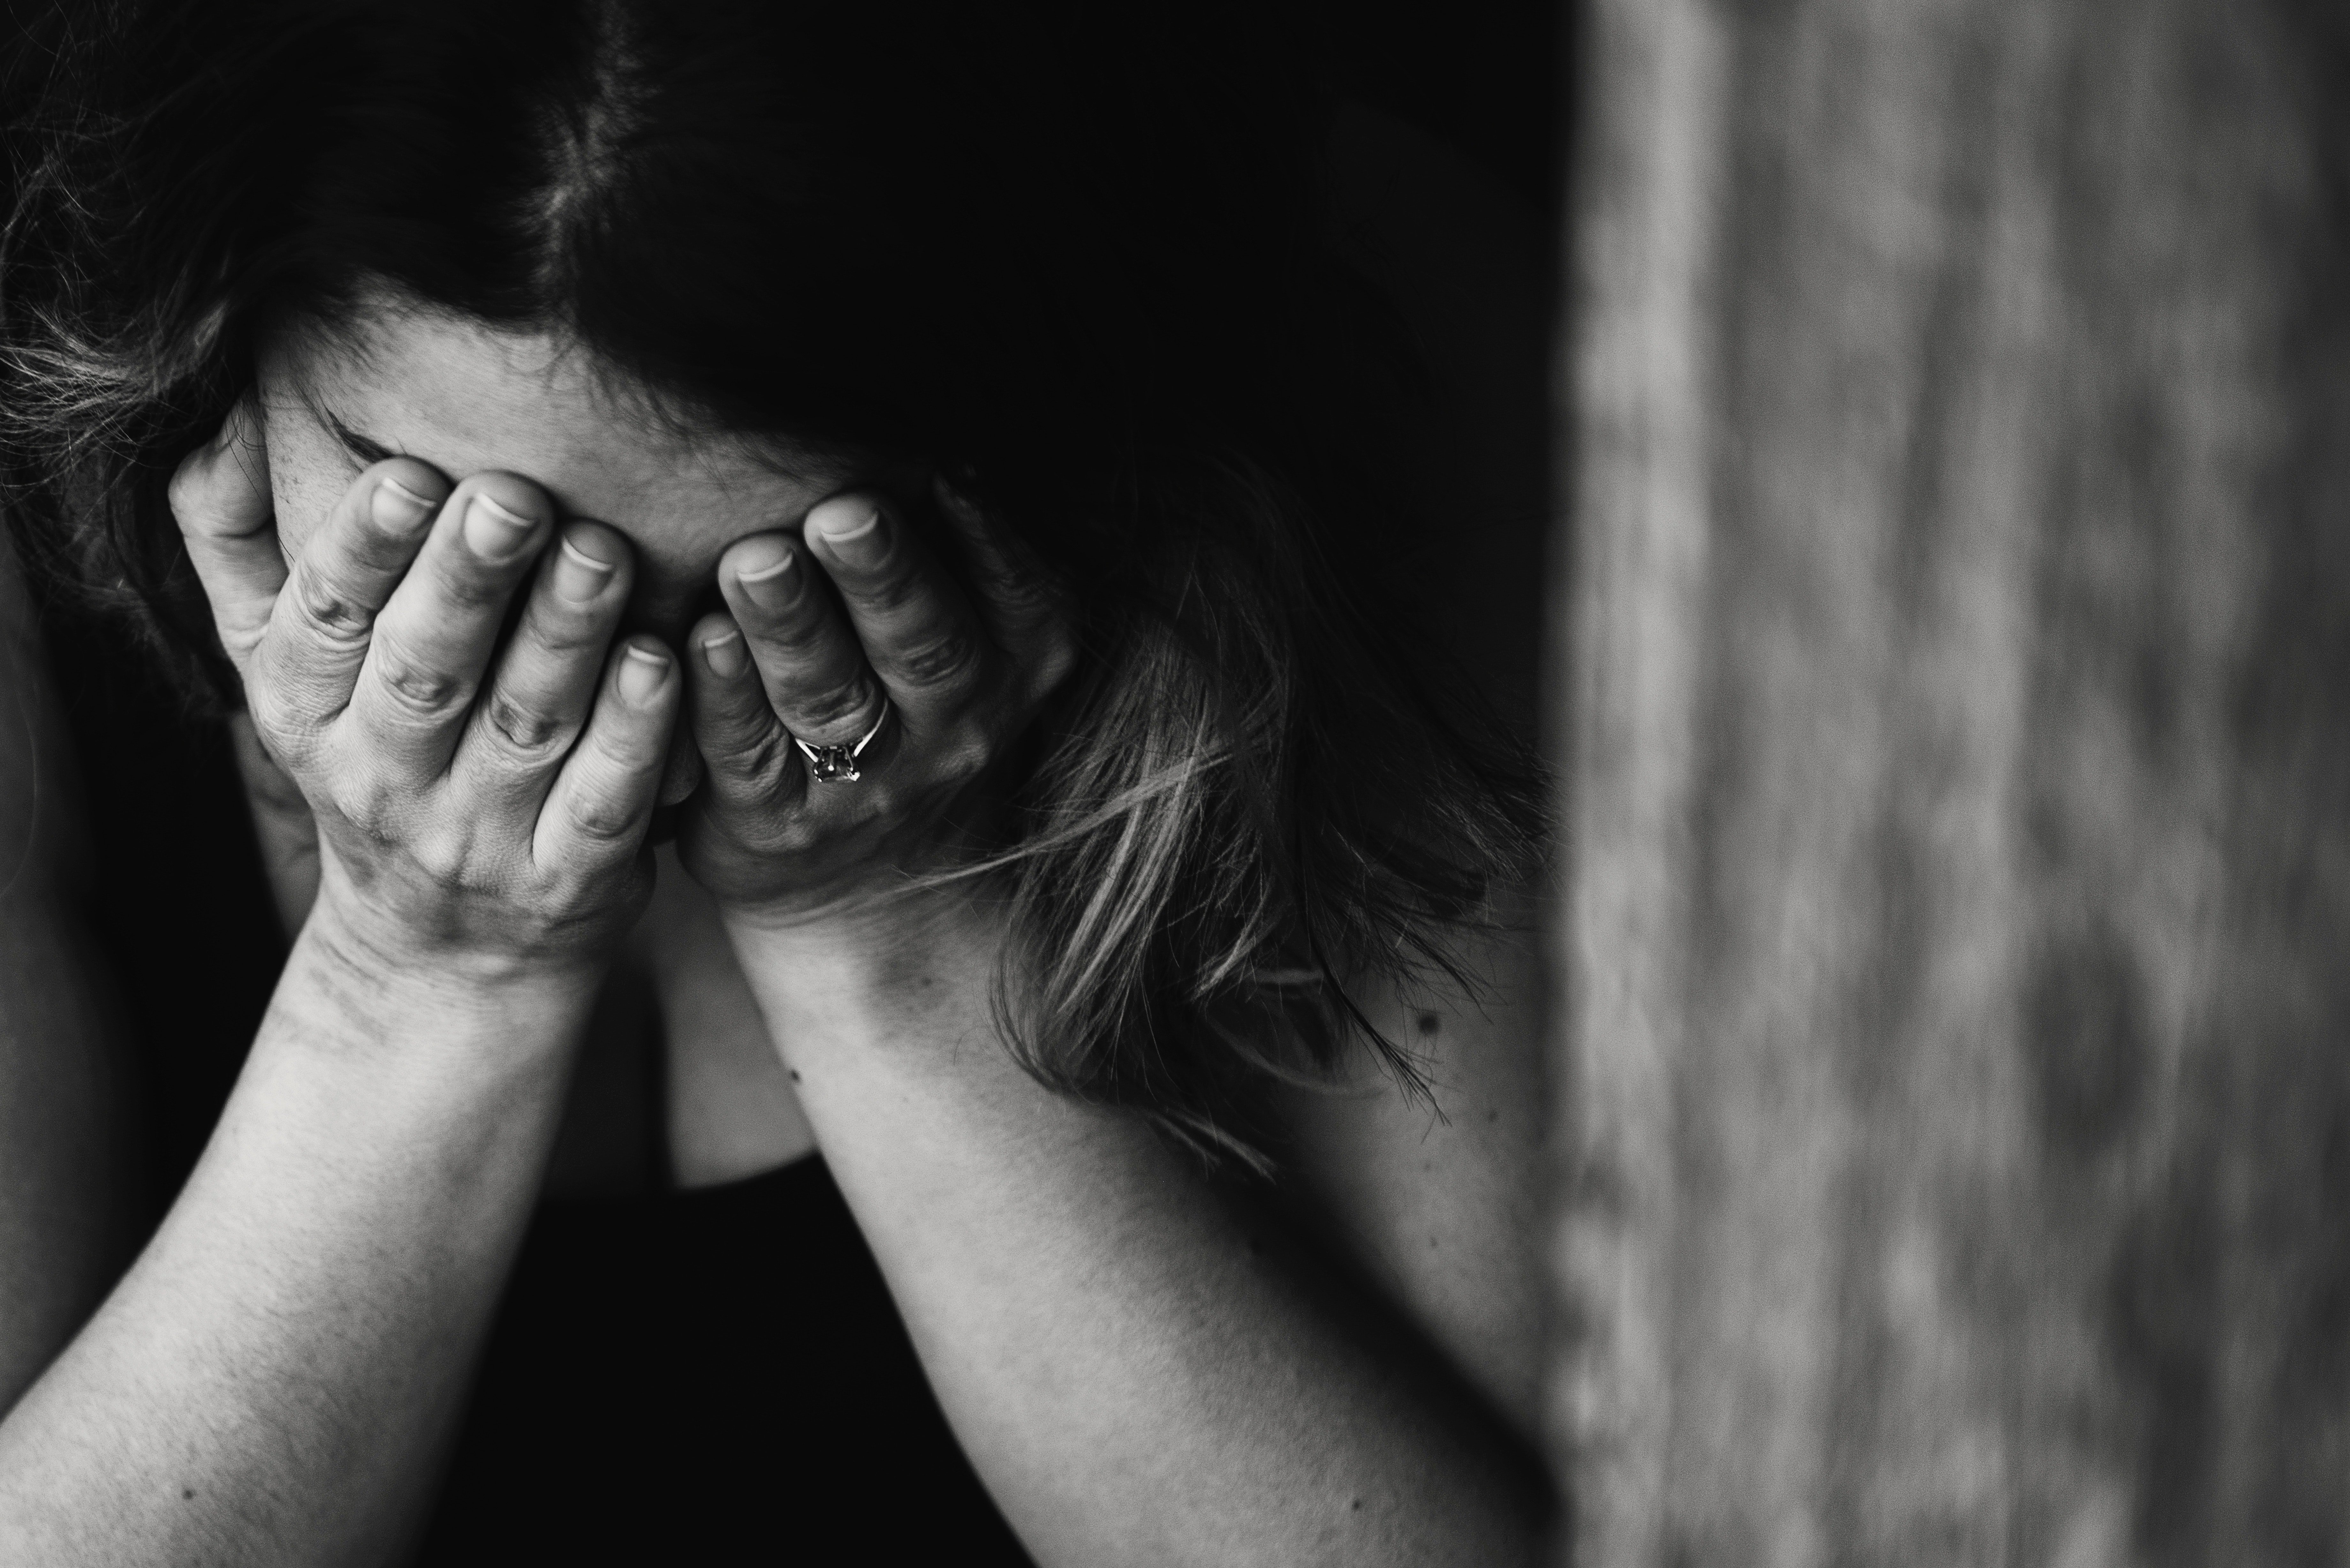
x=322 y=621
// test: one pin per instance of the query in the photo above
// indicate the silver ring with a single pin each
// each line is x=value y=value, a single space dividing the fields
x=837 y=764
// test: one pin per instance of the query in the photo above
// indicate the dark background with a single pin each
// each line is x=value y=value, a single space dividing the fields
x=1484 y=77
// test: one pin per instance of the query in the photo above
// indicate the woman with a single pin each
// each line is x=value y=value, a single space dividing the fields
x=936 y=468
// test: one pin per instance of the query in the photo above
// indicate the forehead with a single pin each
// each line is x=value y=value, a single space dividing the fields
x=467 y=398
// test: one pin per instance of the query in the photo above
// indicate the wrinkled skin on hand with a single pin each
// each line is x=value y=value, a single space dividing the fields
x=854 y=623
x=478 y=801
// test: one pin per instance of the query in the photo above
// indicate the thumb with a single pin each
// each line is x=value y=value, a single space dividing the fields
x=220 y=497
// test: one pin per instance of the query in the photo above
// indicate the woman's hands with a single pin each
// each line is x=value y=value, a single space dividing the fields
x=798 y=662
x=459 y=822
x=457 y=815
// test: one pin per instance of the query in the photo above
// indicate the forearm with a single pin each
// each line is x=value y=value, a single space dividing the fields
x=1139 y=1372
x=270 y=1381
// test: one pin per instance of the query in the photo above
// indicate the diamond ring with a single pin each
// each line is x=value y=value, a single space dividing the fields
x=837 y=764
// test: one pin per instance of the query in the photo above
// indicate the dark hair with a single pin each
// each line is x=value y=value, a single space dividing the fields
x=1076 y=250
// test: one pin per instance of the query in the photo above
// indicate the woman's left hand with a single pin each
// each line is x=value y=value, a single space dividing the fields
x=893 y=642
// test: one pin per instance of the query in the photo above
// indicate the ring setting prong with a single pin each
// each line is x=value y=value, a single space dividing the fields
x=837 y=764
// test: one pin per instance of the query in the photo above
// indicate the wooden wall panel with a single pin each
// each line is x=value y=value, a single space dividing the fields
x=1954 y=708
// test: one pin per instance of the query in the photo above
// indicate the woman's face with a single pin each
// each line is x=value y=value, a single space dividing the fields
x=465 y=398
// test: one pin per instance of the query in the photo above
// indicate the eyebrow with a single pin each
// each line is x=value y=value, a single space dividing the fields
x=366 y=449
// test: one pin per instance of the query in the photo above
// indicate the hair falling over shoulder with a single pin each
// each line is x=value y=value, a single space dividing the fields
x=1075 y=252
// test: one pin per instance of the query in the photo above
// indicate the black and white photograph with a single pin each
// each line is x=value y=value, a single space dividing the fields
x=1551 y=782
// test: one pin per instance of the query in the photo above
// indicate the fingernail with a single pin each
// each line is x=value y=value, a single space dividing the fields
x=579 y=575
x=772 y=584
x=724 y=652
x=493 y=532
x=395 y=508
x=642 y=670
x=856 y=534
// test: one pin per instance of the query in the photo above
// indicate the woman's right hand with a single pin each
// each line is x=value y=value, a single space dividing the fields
x=482 y=807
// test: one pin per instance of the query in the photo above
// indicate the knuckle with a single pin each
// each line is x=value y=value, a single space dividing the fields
x=438 y=850
x=947 y=656
x=801 y=638
x=625 y=759
x=375 y=547
x=331 y=611
x=466 y=585
x=964 y=753
x=1053 y=662
x=601 y=815
x=441 y=858
x=274 y=723
x=528 y=733
x=1028 y=602
x=568 y=638
x=366 y=799
x=896 y=588
x=757 y=756
x=415 y=685
x=776 y=835
x=795 y=836
x=838 y=706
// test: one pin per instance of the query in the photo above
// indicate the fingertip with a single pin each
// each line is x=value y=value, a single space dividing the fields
x=641 y=673
x=496 y=532
x=761 y=576
x=713 y=623
x=759 y=563
x=853 y=529
x=407 y=494
x=599 y=542
x=723 y=651
x=499 y=518
x=842 y=516
x=513 y=494
x=588 y=559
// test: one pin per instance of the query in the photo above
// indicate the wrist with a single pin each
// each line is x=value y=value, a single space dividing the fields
x=875 y=975
x=870 y=939
x=366 y=988
x=372 y=933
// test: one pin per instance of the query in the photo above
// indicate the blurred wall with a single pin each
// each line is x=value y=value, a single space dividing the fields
x=1953 y=691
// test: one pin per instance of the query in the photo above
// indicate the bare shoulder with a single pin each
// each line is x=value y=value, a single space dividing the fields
x=1437 y=1200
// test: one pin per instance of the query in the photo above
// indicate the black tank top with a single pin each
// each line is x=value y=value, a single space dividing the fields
x=717 y=1376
